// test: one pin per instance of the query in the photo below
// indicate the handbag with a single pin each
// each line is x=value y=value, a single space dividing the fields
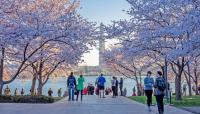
x=155 y=92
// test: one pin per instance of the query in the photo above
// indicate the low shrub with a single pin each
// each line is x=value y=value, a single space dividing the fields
x=26 y=99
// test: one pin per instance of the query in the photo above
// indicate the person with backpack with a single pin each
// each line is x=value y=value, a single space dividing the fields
x=71 y=84
x=80 y=87
x=159 y=91
x=148 y=88
x=101 y=85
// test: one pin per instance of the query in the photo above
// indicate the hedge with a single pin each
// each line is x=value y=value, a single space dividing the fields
x=26 y=99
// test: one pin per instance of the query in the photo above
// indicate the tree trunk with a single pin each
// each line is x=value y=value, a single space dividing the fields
x=189 y=80
x=1 y=70
x=178 y=87
x=140 y=74
x=178 y=73
x=1 y=88
x=196 y=86
x=190 y=86
x=1 y=82
x=163 y=69
x=40 y=84
x=139 y=92
x=33 y=83
x=40 y=88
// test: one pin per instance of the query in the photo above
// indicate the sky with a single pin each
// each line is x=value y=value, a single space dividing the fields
x=101 y=11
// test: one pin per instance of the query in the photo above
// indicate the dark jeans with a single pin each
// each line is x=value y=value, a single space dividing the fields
x=71 y=93
x=149 y=96
x=159 y=100
x=121 y=91
x=114 y=90
x=79 y=91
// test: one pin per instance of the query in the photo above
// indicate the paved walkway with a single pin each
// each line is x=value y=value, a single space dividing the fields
x=90 y=105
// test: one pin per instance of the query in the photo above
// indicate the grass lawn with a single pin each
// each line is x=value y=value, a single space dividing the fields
x=186 y=102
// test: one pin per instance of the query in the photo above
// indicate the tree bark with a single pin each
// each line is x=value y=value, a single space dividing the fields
x=190 y=87
x=196 y=90
x=40 y=88
x=1 y=70
x=1 y=88
x=33 y=83
x=40 y=84
x=139 y=92
x=189 y=80
x=178 y=88
x=178 y=73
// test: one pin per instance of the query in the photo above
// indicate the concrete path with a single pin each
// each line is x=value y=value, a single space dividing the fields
x=90 y=105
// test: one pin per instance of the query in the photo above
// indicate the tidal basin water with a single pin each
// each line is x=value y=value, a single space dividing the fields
x=60 y=82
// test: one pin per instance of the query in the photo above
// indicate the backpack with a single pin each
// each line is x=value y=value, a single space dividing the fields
x=161 y=85
x=71 y=81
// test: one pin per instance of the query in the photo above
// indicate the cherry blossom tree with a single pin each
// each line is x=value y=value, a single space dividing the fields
x=30 y=30
x=129 y=66
x=165 y=29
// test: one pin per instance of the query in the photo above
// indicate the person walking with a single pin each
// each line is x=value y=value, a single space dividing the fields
x=80 y=87
x=113 y=83
x=101 y=85
x=16 y=92
x=7 y=91
x=148 y=88
x=59 y=92
x=117 y=86
x=159 y=91
x=22 y=91
x=71 y=84
x=50 y=92
x=121 y=82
